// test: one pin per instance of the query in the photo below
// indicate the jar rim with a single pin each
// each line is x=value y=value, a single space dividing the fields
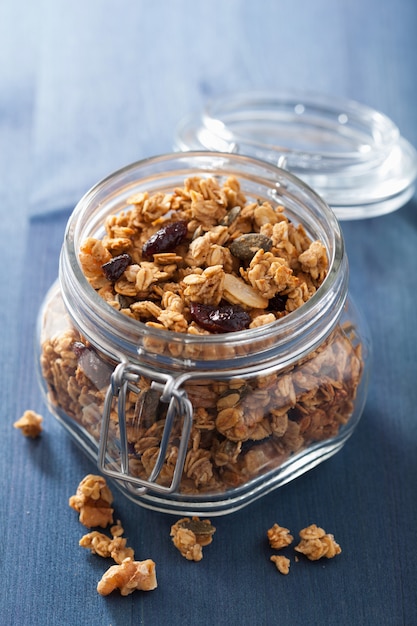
x=126 y=336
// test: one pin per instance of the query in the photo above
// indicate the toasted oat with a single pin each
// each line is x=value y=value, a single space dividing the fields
x=279 y=537
x=30 y=424
x=207 y=287
x=314 y=260
x=128 y=576
x=282 y=563
x=92 y=501
x=316 y=543
x=269 y=274
x=190 y=535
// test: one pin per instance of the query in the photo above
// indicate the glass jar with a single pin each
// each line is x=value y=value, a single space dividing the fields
x=192 y=424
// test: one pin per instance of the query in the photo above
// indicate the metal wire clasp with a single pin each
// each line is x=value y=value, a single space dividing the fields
x=113 y=454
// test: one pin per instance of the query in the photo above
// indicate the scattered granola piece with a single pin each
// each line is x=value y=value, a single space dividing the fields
x=128 y=576
x=279 y=537
x=92 y=501
x=190 y=535
x=104 y=546
x=30 y=424
x=316 y=543
x=282 y=563
x=185 y=541
x=117 y=529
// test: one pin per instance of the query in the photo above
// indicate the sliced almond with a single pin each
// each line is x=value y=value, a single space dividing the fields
x=236 y=291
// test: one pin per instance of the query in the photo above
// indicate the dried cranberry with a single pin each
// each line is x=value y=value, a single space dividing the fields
x=165 y=239
x=277 y=303
x=116 y=266
x=224 y=318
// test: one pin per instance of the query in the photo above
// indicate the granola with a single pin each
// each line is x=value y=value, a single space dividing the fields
x=282 y=563
x=190 y=535
x=30 y=424
x=128 y=576
x=238 y=431
x=279 y=537
x=206 y=283
x=211 y=248
x=93 y=501
x=114 y=546
x=316 y=543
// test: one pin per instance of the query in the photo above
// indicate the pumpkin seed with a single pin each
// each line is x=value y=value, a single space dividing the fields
x=198 y=527
x=231 y=216
x=246 y=246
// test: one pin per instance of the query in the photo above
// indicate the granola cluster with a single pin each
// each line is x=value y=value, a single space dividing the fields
x=282 y=563
x=190 y=535
x=203 y=243
x=114 y=546
x=198 y=261
x=30 y=424
x=315 y=544
x=279 y=537
x=92 y=500
x=127 y=577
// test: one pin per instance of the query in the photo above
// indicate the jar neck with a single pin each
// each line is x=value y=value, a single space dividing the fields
x=282 y=342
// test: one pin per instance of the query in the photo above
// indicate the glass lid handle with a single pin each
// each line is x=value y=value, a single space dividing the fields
x=115 y=454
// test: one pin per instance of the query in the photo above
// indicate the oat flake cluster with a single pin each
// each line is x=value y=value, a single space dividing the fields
x=30 y=424
x=189 y=536
x=242 y=427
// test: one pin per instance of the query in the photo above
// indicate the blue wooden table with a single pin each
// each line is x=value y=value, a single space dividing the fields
x=87 y=87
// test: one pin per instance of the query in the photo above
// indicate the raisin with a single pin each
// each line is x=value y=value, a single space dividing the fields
x=165 y=239
x=277 y=303
x=224 y=318
x=116 y=266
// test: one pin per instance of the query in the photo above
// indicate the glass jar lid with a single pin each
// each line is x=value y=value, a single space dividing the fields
x=350 y=154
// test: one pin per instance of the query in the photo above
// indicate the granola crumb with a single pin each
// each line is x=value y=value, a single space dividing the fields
x=190 y=535
x=279 y=537
x=128 y=576
x=30 y=424
x=316 y=543
x=92 y=501
x=117 y=530
x=282 y=563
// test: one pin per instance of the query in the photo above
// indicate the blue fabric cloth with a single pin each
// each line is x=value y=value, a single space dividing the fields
x=86 y=87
